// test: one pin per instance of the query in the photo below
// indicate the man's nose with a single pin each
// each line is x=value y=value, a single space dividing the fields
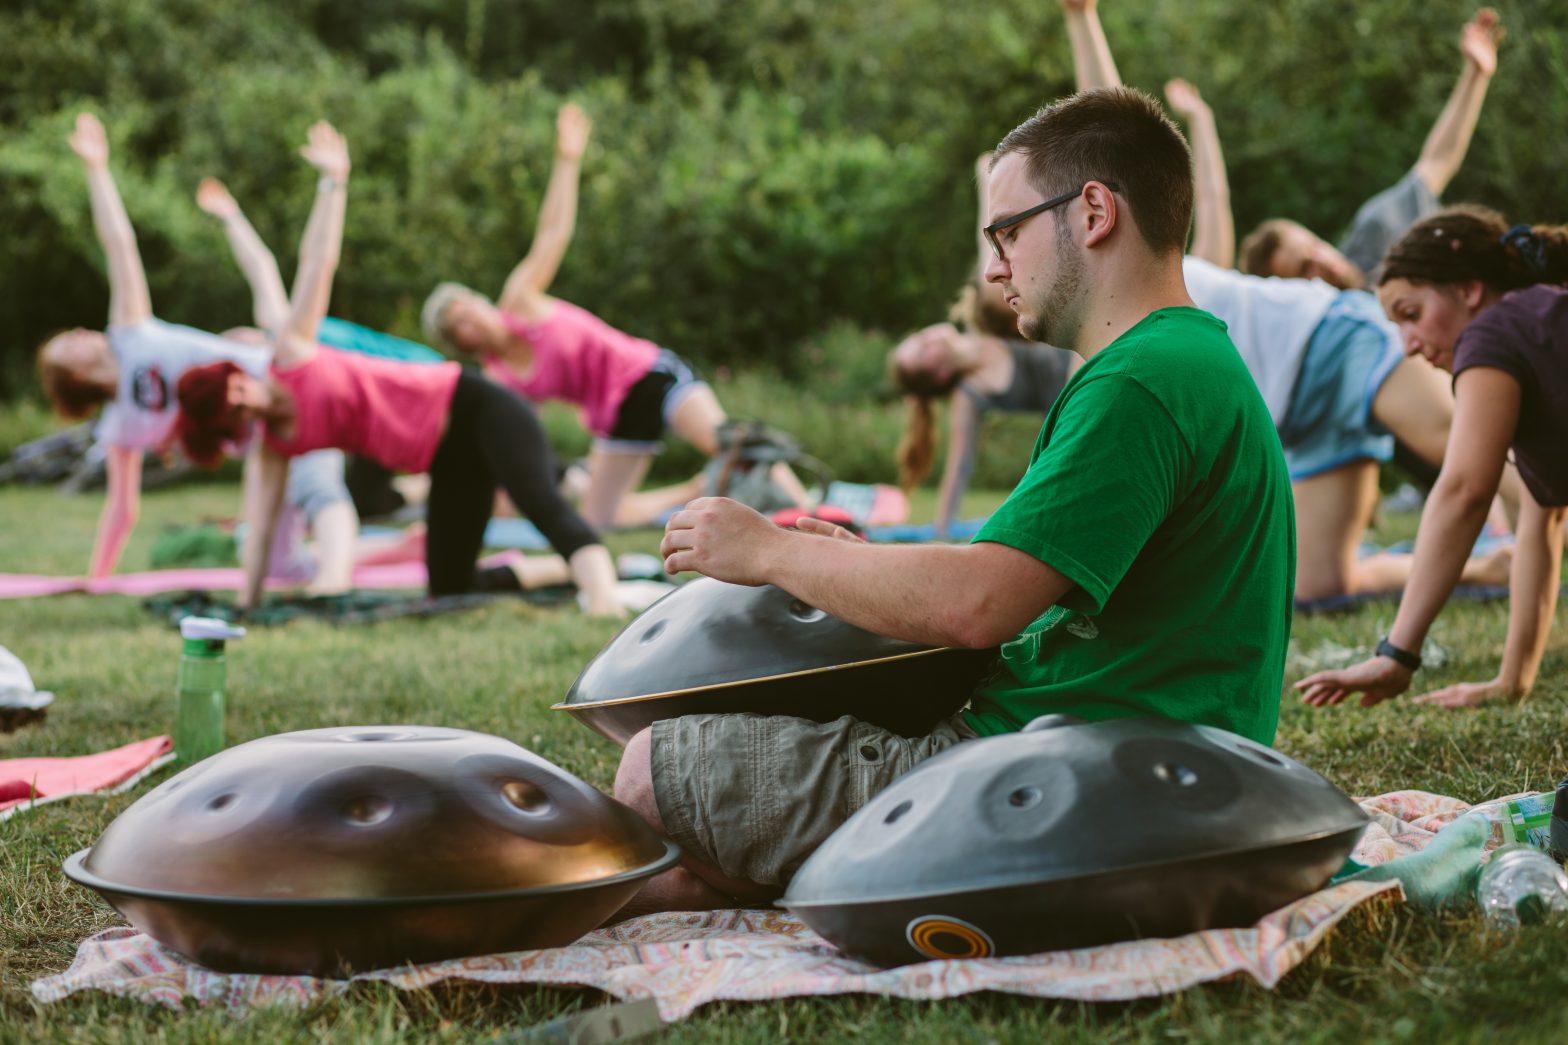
x=997 y=270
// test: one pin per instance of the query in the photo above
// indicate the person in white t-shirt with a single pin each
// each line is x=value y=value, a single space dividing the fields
x=1329 y=364
x=130 y=371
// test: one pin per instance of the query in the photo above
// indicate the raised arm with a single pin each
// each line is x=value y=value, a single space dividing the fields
x=266 y=480
x=319 y=249
x=1214 y=234
x=129 y=301
x=269 y=299
x=557 y=215
x=1093 y=65
x=1449 y=139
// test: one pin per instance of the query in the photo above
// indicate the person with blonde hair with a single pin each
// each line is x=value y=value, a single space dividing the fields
x=628 y=390
x=977 y=362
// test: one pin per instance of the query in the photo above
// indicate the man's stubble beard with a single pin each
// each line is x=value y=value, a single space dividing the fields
x=1059 y=315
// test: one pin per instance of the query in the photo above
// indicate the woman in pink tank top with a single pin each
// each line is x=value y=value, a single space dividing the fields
x=469 y=434
x=627 y=389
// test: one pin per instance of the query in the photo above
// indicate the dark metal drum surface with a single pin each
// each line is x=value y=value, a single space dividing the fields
x=357 y=847
x=713 y=647
x=1071 y=836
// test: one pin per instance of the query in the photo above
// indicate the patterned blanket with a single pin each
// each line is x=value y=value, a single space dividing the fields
x=685 y=960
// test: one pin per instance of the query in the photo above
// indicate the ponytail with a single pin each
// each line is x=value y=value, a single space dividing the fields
x=1470 y=243
x=917 y=447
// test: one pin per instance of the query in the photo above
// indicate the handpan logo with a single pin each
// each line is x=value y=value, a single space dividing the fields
x=939 y=936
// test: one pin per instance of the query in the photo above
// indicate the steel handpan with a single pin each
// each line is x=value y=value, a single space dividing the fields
x=362 y=847
x=710 y=648
x=1072 y=835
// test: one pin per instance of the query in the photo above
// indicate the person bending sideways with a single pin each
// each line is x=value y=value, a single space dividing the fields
x=131 y=369
x=627 y=389
x=1281 y=247
x=1141 y=566
x=1327 y=362
x=1484 y=301
x=469 y=434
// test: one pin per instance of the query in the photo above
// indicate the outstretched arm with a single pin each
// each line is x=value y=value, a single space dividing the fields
x=269 y=299
x=1449 y=140
x=1486 y=413
x=1092 y=62
x=1214 y=235
x=129 y=301
x=266 y=480
x=963 y=429
x=557 y=214
x=120 y=510
x=319 y=249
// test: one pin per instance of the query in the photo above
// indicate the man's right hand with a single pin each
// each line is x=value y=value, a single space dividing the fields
x=723 y=539
x=89 y=141
x=1184 y=99
x=572 y=127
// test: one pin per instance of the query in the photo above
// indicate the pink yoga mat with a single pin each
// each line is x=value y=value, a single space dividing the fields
x=26 y=781
x=223 y=578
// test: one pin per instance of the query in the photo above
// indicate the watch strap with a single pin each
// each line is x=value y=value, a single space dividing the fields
x=1403 y=657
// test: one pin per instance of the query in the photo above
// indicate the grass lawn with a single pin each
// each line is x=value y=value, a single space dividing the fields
x=1386 y=974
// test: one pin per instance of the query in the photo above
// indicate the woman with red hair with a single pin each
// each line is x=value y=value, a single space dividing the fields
x=470 y=435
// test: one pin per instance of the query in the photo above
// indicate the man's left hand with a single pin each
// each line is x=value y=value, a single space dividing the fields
x=723 y=539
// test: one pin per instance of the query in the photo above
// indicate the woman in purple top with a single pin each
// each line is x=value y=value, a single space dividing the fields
x=627 y=389
x=1485 y=301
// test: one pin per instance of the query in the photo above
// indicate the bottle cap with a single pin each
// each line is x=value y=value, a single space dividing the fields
x=209 y=628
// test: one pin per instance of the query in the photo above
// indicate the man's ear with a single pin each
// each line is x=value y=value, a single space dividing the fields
x=1102 y=210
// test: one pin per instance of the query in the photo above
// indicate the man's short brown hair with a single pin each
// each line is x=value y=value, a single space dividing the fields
x=1118 y=135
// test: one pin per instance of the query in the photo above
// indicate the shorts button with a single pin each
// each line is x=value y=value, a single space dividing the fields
x=869 y=753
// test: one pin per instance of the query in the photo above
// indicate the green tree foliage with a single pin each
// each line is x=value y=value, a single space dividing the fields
x=759 y=172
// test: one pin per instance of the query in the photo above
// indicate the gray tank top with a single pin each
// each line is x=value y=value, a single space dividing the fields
x=1039 y=374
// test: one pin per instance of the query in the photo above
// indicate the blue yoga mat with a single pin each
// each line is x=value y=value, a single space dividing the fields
x=915 y=533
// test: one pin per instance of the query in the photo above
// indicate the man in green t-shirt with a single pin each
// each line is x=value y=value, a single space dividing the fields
x=1144 y=565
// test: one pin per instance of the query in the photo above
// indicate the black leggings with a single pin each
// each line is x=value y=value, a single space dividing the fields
x=492 y=439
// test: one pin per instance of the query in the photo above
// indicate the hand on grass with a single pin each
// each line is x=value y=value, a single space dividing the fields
x=572 y=127
x=720 y=538
x=1470 y=694
x=1479 y=38
x=213 y=197
x=1377 y=679
x=327 y=151
x=89 y=140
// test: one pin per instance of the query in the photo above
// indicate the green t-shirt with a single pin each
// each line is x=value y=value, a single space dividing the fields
x=1158 y=487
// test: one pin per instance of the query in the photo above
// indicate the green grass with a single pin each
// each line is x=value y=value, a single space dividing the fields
x=1384 y=974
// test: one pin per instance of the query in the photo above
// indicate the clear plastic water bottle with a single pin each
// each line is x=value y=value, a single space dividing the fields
x=1521 y=886
x=199 y=689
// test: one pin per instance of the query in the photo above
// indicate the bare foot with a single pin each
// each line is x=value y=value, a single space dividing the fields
x=1491 y=569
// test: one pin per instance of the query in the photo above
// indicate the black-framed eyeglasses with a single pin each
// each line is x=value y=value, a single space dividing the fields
x=1008 y=222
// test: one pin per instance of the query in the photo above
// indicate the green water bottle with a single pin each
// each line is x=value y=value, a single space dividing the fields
x=198 y=717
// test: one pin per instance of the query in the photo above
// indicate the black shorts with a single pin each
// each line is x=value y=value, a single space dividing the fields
x=644 y=413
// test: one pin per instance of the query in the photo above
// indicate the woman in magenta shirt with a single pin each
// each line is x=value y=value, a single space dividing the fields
x=628 y=390
x=1473 y=296
x=469 y=434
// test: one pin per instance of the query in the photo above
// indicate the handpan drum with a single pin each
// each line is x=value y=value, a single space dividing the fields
x=356 y=848
x=1071 y=835
x=712 y=647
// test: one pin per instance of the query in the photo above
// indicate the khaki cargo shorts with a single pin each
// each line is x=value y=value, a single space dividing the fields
x=754 y=795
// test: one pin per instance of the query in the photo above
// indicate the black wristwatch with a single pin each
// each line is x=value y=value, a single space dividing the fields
x=1403 y=657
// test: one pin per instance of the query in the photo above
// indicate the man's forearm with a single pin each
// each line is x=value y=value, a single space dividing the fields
x=1093 y=65
x=1214 y=238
